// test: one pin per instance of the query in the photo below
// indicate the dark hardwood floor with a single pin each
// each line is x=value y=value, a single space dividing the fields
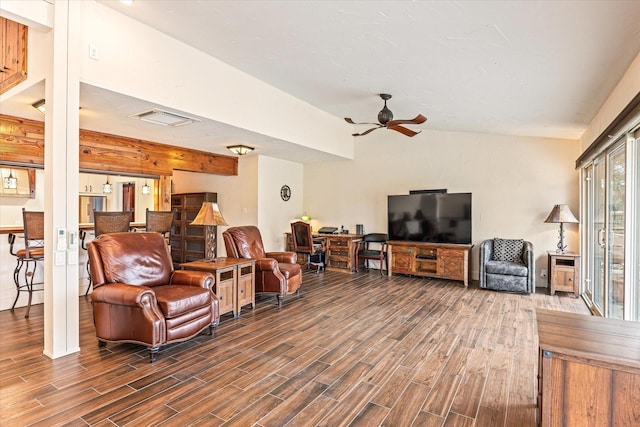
x=358 y=350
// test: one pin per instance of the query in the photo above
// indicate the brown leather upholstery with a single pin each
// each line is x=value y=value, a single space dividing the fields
x=276 y=272
x=139 y=298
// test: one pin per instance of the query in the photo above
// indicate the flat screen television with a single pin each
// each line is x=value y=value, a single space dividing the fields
x=430 y=217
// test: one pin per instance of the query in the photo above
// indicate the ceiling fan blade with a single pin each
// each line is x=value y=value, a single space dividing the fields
x=348 y=120
x=403 y=130
x=415 y=121
x=366 y=131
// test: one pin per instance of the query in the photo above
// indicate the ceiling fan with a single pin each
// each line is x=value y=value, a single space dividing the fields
x=385 y=120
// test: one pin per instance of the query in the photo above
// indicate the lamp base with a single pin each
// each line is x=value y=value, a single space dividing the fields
x=562 y=248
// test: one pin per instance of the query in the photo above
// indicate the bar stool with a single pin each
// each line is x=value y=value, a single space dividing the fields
x=105 y=223
x=33 y=252
x=161 y=222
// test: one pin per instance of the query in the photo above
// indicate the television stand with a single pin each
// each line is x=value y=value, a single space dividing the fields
x=437 y=260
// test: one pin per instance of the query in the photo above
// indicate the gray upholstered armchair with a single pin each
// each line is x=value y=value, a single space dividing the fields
x=507 y=265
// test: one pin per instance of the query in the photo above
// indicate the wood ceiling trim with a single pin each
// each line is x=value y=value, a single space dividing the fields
x=22 y=142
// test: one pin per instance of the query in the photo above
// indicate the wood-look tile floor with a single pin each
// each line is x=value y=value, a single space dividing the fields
x=357 y=350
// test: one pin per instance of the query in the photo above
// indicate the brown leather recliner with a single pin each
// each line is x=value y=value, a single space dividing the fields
x=139 y=298
x=276 y=272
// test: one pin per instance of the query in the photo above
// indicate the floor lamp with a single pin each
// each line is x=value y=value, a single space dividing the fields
x=209 y=216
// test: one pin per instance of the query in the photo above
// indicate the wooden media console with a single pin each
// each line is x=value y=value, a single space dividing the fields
x=440 y=260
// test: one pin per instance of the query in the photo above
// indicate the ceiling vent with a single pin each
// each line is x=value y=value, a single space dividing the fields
x=164 y=118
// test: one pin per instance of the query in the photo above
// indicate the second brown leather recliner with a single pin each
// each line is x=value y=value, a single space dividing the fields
x=276 y=272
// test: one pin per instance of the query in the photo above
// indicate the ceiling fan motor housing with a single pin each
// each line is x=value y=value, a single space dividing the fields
x=385 y=115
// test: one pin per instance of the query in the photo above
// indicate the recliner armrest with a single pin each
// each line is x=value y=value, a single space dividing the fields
x=123 y=294
x=287 y=257
x=193 y=278
x=266 y=264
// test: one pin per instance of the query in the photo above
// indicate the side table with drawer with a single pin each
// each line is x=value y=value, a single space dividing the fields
x=235 y=281
x=564 y=273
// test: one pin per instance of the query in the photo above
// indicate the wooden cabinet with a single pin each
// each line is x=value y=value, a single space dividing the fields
x=451 y=263
x=444 y=261
x=588 y=370
x=235 y=282
x=564 y=273
x=191 y=242
x=13 y=54
x=340 y=252
x=402 y=261
x=245 y=277
x=225 y=289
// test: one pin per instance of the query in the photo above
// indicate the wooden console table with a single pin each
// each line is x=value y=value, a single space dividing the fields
x=235 y=281
x=443 y=261
x=588 y=370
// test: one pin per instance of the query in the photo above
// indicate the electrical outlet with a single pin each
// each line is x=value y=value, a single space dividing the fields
x=543 y=273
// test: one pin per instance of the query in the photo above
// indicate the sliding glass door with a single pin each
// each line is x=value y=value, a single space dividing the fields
x=595 y=185
x=615 y=231
x=611 y=230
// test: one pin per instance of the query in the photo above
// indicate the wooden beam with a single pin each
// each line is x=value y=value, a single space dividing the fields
x=22 y=142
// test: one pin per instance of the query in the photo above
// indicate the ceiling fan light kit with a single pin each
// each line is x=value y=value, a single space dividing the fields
x=385 y=120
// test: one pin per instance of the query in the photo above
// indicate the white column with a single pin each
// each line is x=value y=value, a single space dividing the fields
x=61 y=322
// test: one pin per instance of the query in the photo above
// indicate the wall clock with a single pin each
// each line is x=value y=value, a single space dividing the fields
x=285 y=193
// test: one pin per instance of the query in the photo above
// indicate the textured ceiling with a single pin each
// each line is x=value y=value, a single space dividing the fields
x=533 y=68
x=539 y=68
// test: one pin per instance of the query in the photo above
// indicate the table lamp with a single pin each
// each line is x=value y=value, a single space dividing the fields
x=561 y=214
x=208 y=216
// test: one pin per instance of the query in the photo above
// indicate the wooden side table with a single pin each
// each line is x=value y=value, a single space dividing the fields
x=235 y=281
x=564 y=273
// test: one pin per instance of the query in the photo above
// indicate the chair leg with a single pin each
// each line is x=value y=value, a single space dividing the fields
x=28 y=279
x=153 y=353
x=280 y=298
x=16 y=279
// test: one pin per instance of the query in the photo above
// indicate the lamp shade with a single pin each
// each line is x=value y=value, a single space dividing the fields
x=209 y=214
x=560 y=214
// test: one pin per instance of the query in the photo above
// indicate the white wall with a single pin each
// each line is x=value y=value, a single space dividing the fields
x=275 y=214
x=515 y=182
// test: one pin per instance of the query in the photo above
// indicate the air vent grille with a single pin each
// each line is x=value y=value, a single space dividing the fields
x=164 y=118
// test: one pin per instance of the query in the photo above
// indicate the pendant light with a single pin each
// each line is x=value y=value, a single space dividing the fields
x=146 y=190
x=10 y=182
x=107 y=187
